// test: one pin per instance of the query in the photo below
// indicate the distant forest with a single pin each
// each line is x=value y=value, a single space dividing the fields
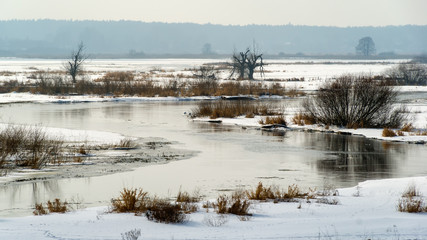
x=57 y=38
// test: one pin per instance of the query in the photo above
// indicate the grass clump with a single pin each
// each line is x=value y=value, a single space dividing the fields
x=388 y=133
x=273 y=120
x=407 y=128
x=22 y=146
x=411 y=201
x=302 y=119
x=237 y=204
x=57 y=206
x=131 y=200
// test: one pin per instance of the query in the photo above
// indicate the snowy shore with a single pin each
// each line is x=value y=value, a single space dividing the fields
x=366 y=211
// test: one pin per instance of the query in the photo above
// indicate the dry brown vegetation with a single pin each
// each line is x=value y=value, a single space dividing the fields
x=274 y=193
x=156 y=209
x=237 y=204
x=274 y=120
x=142 y=84
x=388 y=133
x=56 y=206
x=22 y=146
x=231 y=109
x=411 y=201
x=407 y=128
x=302 y=119
x=131 y=200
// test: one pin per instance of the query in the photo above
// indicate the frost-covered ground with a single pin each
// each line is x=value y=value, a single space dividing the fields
x=366 y=211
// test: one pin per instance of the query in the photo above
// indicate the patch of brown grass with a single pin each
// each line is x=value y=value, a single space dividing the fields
x=231 y=109
x=411 y=201
x=302 y=119
x=238 y=204
x=388 y=133
x=274 y=120
x=57 y=206
x=130 y=200
x=407 y=128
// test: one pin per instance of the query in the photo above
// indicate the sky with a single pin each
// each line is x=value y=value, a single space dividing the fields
x=342 y=13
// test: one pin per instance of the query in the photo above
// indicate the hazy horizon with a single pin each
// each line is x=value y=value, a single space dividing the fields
x=334 y=13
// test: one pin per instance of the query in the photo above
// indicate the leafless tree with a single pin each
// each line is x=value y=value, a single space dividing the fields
x=352 y=101
x=366 y=47
x=74 y=66
x=245 y=63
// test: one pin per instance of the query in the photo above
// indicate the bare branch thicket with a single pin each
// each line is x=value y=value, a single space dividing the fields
x=74 y=66
x=408 y=74
x=352 y=101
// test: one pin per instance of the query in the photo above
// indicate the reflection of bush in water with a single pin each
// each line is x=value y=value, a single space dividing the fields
x=354 y=154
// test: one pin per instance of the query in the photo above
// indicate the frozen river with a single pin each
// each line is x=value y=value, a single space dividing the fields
x=228 y=157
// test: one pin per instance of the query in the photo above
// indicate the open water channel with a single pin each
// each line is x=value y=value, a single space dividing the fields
x=228 y=157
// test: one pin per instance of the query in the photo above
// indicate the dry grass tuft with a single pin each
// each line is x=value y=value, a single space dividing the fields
x=407 y=128
x=273 y=120
x=411 y=201
x=52 y=207
x=185 y=197
x=131 y=200
x=237 y=204
x=57 y=206
x=388 y=133
x=302 y=119
x=231 y=109
x=262 y=193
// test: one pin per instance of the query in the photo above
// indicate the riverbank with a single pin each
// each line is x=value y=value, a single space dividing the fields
x=95 y=153
x=365 y=211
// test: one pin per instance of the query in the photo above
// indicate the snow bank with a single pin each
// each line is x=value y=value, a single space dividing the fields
x=367 y=211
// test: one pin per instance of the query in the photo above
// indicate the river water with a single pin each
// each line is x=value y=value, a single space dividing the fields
x=228 y=157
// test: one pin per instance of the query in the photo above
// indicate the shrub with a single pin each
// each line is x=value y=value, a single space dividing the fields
x=355 y=101
x=130 y=200
x=388 y=133
x=161 y=210
x=409 y=74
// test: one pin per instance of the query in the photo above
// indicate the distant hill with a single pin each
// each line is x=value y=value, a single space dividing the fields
x=56 y=38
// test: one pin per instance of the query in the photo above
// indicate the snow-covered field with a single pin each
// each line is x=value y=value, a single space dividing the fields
x=366 y=211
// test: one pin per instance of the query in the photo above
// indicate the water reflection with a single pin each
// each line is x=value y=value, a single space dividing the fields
x=355 y=157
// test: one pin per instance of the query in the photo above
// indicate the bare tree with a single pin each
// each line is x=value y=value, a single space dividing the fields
x=74 y=66
x=245 y=63
x=366 y=47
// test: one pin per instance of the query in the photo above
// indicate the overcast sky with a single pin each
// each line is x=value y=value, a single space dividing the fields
x=236 y=12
